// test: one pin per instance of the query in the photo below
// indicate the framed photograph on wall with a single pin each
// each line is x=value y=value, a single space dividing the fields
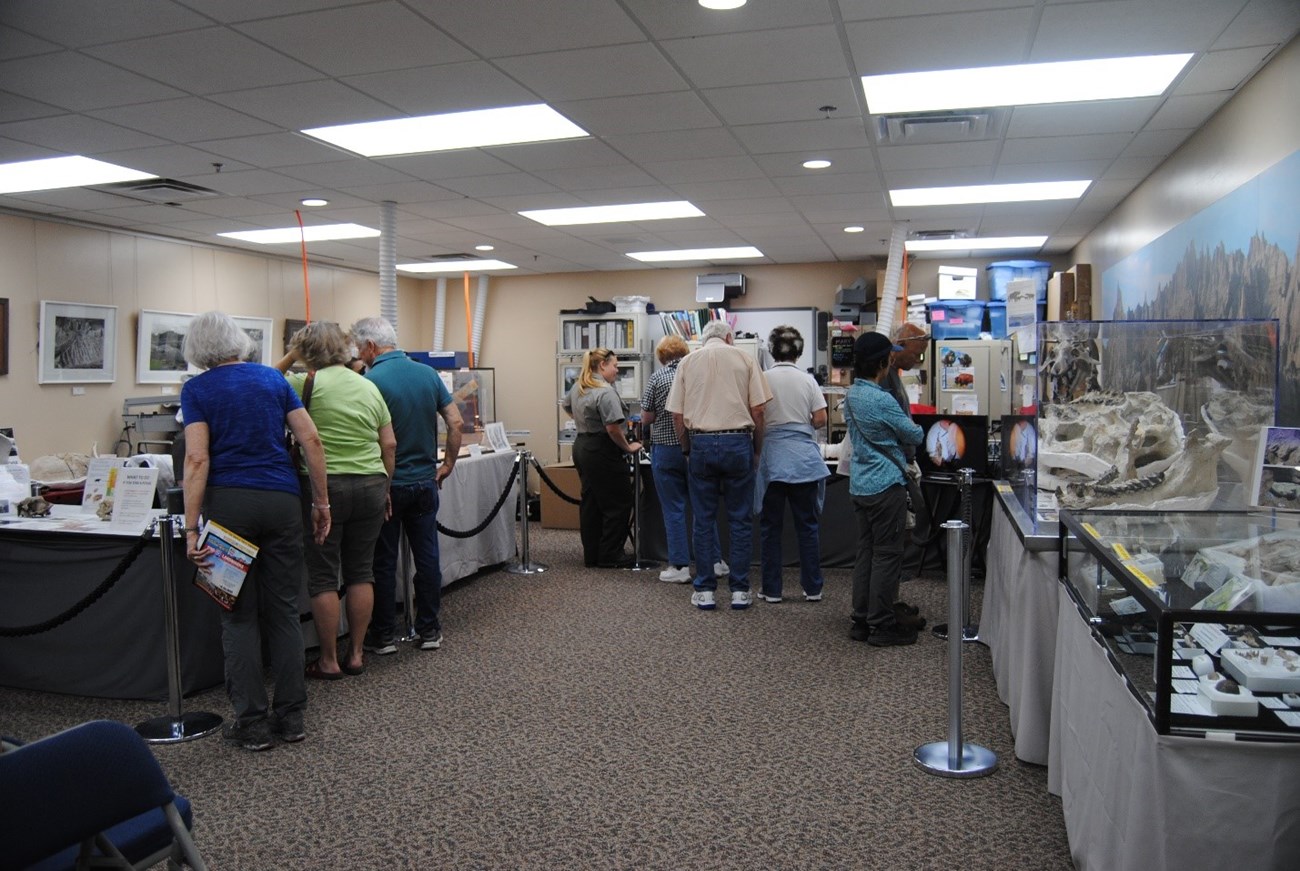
x=291 y=326
x=158 y=349
x=4 y=336
x=78 y=343
x=259 y=330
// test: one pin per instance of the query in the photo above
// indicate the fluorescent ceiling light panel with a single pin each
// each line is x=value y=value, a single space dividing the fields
x=318 y=233
x=696 y=254
x=613 y=214
x=989 y=193
x=988 y=243
x=51 y=173
x=1022 y=84
x=455 y=266
x=478 y=128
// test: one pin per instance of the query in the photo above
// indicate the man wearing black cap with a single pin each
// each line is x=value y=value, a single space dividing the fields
x=879 y=429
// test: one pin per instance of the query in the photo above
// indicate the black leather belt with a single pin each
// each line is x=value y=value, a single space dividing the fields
x=696 y=432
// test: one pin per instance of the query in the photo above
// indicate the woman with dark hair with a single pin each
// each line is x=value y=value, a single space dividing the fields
x=360 y=447
x=238 y=473
x=791 y=468
x=600 y=455
x=879 y=429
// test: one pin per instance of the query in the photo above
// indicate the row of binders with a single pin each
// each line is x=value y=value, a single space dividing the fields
x=599 y=334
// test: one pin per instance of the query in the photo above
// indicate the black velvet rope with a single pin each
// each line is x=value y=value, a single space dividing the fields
x=549 y=483
x=452 y=533
x=113 y=577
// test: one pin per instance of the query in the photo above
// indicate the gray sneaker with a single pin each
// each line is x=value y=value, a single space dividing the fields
x=740 y=600
x=431 y=642
x=288 y=729
x=703 y=599
x=379 y=646
x=253 y=737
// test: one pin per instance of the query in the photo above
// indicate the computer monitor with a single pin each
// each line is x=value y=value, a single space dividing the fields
x=952 y=442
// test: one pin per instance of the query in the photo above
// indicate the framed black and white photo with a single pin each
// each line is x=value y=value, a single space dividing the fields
x=158 y=352
x=259 y=330
x=78 y=343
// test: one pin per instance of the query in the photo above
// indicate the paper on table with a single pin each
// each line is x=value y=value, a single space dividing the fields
x=132 y=491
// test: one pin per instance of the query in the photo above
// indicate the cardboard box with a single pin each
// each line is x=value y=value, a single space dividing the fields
x=1081 y=310
x=1060 y=296
x=557 y=513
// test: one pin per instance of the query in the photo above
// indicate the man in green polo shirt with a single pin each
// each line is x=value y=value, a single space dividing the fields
x=416 y=397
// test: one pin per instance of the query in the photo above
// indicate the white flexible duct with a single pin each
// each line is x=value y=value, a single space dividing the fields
x=893 y=278
x=388 y=261
x=440 y=315
x=480 y=311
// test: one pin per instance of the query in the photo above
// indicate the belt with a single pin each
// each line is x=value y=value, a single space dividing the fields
x=696 y=432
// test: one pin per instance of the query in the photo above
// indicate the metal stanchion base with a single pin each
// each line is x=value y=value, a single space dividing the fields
x=968 y=633
x=643 y=566
x=976 y=761
x=526 y=568
x=166 y=730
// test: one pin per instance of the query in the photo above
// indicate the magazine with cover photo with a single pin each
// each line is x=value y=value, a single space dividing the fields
x=227 y=568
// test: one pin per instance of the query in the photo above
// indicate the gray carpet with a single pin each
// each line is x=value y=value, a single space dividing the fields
x=593 y=719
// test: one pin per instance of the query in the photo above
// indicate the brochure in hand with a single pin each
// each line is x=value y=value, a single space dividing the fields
x=227 y=567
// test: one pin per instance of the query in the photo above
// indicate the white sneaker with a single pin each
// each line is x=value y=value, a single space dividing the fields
x=703 y=599
x=676 y=574
x=740 y=600
x=769 y=599
x=812 y=597
x=721 y=568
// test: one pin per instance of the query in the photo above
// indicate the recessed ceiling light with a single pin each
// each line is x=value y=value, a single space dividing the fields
x=854 y=229
x=478 y=128
x=485 y=248
x=696 y=254
x=1022 y=84
x=723 y=4
x=816 y=164
x=51 y=173
x=317 y=233
x=314 y=201
x=989 y=193
x=987 y=243
x=455 y=266
x=613 y=214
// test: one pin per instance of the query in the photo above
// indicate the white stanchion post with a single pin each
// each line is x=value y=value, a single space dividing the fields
x=175 y=726
x=969 y=631
x=408 y=587
x=638 y=564
x=525 y=566
x=954 y=758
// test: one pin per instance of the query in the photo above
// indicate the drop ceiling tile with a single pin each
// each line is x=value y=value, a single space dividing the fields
x=906 y=157
x=498 y=185
x=225 y=208
x=513 y=27
x=725 y=60
x=455 y=87
x=565 y=154
x=358 y=39
x=667 y=20
x=448 y=209
x=595 y=72
x=306 y=104
x=730 y=209
x=75 y=82
x=591 y=180
x=192 y=118
x=940 y=177
x=170 y=161
x=720 y=190
x=859 y=10
x=16 y=108
x=276 y=149
x=74 y=23
x=1135 y=168
x=1189 y=111
x=146 y=213
x=401 y=193
x=208 y=61
x=1156 y=143
x=438 y=166
x=1221 y=70
x=66 y=199
x=785 y=101
x=231 y=11
x=1262 y=22
x=842 y=160
x=639 y=113
x=346 y=173
x=650 y=149
x=815 y=135
x=254 y=182
x=76 y=134
x=673 y=172
x=1054 y=148
x=14 y=43
x=1051 y=170
x=1117 y=28
x=1103 y=116
x=815 y=183
x=955 y=41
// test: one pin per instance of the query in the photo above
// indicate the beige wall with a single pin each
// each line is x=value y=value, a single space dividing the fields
x=1254 y=130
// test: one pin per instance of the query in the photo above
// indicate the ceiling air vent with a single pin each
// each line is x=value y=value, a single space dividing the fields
x=434 y=258
x=167 y=191
x=929 y=235
x=931 y=128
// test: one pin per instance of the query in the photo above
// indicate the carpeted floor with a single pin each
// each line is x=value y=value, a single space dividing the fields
x=592 y=719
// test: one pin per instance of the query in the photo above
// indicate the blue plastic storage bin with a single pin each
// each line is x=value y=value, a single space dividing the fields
x=956 y=318
x=998 y=319
x=1004 y=272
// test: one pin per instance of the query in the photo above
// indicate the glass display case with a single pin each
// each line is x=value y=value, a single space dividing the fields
x=1199 y=612
x=1148 y=415
x=474 y=391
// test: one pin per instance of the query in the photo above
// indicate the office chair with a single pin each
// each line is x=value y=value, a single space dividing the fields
x=91 y=796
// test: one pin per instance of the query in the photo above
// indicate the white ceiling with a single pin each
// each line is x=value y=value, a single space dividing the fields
x=682 y=103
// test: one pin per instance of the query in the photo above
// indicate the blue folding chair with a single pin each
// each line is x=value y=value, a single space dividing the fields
x=92 y=796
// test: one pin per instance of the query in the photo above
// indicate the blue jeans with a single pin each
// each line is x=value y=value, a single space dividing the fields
x=669 y=468
x=803 y=507
x=415 y=509
x=722 y=469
